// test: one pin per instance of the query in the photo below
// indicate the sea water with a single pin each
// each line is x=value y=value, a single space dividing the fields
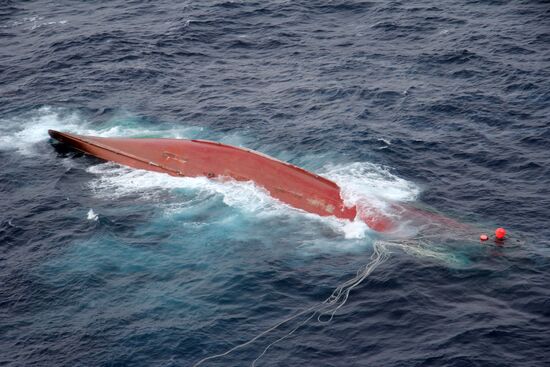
x=442 y=108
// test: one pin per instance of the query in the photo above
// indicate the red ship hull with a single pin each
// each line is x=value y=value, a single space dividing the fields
x=192 y=158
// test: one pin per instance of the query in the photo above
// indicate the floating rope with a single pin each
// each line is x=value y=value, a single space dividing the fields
x=329 y=306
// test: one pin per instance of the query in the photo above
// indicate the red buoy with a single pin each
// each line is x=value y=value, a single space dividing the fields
x=484 y=237
x=500 y=233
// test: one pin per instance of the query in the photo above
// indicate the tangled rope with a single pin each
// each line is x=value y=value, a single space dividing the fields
x=329 y=306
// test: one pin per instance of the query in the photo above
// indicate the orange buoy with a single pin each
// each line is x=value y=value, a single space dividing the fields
x=500 y=233
x=484 y=237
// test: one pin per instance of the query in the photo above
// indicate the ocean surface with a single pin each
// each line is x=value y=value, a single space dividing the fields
x=440 y=106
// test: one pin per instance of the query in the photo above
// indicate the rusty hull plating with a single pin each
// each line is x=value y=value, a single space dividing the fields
x=192 y=158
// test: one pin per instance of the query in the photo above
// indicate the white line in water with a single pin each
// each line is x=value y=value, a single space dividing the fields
x=329 y=306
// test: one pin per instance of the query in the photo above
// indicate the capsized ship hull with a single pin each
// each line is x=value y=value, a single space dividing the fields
x=192 y=158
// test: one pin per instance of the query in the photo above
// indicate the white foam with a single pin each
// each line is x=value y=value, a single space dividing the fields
x=23 y=133
x=354 y=230
x=371 y=187
x=114 y=181
x=92 y=215
x=364 y=180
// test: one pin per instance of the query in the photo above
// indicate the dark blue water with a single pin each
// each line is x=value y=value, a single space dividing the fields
x=440 y=106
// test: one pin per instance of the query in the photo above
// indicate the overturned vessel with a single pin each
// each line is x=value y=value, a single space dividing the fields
x=192 y=158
